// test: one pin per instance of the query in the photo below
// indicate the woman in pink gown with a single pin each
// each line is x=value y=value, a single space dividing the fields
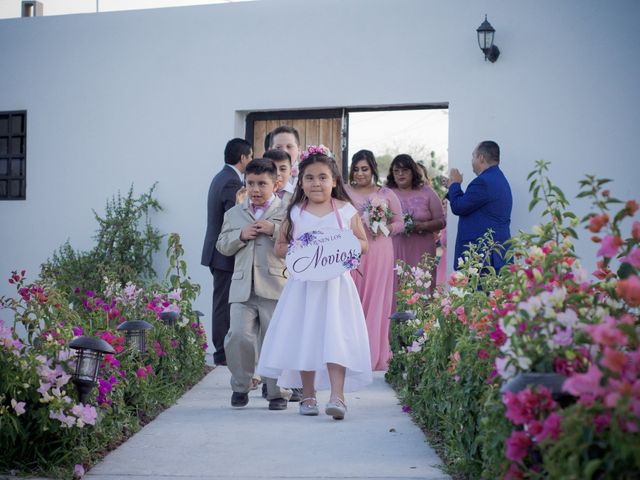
x=420 y=201
x=374 y=278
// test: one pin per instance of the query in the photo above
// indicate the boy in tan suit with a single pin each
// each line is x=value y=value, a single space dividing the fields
x=249 y=231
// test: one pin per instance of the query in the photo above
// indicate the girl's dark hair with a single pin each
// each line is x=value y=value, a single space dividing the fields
x=405 y=161
x=338 y=192
x=366 y=155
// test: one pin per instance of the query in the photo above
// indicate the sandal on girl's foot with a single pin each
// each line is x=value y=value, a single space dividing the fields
x=336 y=409
x=309 y=407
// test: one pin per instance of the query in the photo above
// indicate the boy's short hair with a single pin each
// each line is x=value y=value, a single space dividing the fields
x=277 y=155
x=283 y=129
x=258 y=166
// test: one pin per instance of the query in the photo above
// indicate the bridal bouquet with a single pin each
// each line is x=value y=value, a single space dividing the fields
x=408 y=223
x=376 y=215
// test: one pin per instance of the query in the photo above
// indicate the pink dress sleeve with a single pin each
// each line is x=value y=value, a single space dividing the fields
x=434 y=206
x=397 y=221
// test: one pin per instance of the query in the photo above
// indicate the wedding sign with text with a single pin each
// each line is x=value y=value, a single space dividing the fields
x=323 y=254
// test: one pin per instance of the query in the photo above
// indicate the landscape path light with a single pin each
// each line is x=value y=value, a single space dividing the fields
x=135 y=334
x=89 y=351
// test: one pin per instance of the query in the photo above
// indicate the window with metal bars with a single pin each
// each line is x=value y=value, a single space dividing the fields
x=13 y=155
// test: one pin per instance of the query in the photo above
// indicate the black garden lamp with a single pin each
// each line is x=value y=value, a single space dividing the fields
x=135 y=334
x=169 y=318
x=401 y=317
x=485 y=40
x=89 y=351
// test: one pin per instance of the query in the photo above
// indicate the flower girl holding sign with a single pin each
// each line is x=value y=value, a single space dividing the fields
x=382 y=215
x=317 y=337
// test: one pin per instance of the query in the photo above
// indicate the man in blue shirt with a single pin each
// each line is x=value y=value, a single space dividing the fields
x=485 y=205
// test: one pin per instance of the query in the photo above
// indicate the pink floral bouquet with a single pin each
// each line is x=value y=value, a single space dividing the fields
x=376 y=215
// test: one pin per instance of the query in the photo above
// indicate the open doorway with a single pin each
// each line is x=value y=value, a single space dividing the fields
x=422 y=133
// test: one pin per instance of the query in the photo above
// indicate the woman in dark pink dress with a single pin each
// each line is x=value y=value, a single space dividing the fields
x=425 y=207
x=375 y=276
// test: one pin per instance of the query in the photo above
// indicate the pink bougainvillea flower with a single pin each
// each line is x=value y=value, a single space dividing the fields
x=582 y=384
x=602 y=421
x=633 y=257
x=86 y=414
x=514 y=473
x=518 y=445
x=629 y=290
x=614 y=360
x=609 y=246
x=550 y=428
x=141 y=372
x=607 y=333
x=483 y=354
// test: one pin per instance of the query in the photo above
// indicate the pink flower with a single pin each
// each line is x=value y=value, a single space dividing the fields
x=633 y=257
x=86 y=414
x=518 y=445
x=629 y=290
x=18 y=406
x=606 y=333
x=614 y=360
x=635 y=230
x=483 y=354
x=514 y=473
x=78 y=470
x=563 y=337
x=551 y=428
x=609 y=246
x=602 y=421
x=141 y=372
x=584 y=383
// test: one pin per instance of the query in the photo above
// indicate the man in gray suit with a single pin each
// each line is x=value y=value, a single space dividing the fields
x=222 y=196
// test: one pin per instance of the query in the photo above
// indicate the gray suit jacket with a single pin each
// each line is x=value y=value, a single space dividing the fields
x=255 y=261
x=222 y=196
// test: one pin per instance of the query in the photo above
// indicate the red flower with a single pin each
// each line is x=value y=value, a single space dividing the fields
x=635 y=230
x=631 y=207
x=597 y=222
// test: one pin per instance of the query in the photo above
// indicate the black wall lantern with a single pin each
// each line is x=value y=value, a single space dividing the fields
x=485 y=40
x=135 y=334
x=89 y=351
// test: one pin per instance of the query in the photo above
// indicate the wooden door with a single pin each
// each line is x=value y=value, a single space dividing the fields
x=314 y=126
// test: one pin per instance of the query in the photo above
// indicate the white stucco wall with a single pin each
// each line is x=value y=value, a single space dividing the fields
x=154 y=95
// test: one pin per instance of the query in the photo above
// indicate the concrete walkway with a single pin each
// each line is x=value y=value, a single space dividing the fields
x=202 y=437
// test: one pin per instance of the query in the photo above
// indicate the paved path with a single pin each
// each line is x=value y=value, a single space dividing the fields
x=202 y=437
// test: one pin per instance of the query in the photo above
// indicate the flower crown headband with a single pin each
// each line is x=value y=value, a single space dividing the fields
x=315 y=150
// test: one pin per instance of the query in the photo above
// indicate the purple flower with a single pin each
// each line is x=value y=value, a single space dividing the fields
x=406 y=408
x=77 y=331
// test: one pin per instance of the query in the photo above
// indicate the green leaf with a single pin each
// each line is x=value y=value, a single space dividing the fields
x=625 y=270
x=569 y=215
x=602 y=181
x=592 y=467
x=533 y=203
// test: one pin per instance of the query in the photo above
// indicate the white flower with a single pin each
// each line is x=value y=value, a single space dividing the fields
x=568 y=318
x=524 y=362
x=504 y=369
